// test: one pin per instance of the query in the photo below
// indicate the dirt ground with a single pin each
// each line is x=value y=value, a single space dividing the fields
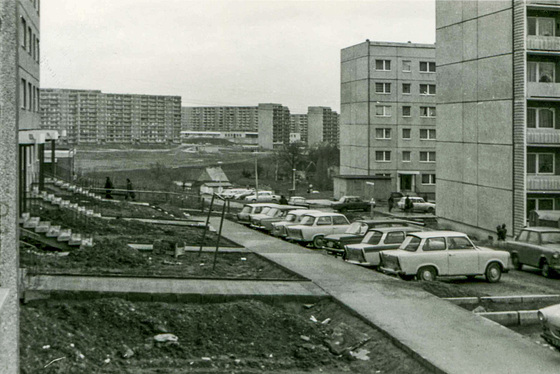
x=118 y=336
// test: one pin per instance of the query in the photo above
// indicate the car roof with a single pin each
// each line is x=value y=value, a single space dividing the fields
x=322 y=214
x=396 y=228
x=388 y=220
x=437 y=234
x=542 y=229
x=303 y=211
x=290 y=207
x=259 y=204
x=297 y=197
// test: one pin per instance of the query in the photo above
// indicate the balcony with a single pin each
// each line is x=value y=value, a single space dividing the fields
x=543 y=183
x=543 y=43
x=537 y=90
x=543 y=137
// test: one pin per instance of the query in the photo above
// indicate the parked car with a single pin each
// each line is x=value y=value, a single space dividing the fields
x=538 y=247
x=418 y=204
x=334 y=244
x=429 y=254
x=277 y=213
x=293 y=217
x=243 y=193
x=248 y=209
x=346 y=203
x=366 y=253
x=299 y=201
x=230 y=193
x=263 y=196
x=550 y=320
x=315 y=226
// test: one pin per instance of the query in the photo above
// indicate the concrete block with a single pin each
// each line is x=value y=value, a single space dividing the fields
x=533 y=298
x=463 y=300
x=503 y=318
x=502 y=299
x=528 y=317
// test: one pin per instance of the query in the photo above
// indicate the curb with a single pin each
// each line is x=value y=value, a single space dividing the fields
x=521 y=299
x=512 y=318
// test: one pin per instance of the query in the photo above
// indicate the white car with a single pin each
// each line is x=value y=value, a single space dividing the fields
x=418 y=204
x=550 y=320
x=293 y=218
x=263 y=196
x=230 y=193
x=315 y=226
x=429 y=254
x=244 y=216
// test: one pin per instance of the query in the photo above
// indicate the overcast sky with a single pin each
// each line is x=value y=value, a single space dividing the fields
x=219 y=52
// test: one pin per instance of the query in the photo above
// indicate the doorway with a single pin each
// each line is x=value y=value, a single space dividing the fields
x=405 y=182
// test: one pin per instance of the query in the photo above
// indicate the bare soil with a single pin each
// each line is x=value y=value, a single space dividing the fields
x=118 y=336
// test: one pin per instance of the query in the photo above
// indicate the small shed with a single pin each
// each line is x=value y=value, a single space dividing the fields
x=548 y=218
x=207 y=180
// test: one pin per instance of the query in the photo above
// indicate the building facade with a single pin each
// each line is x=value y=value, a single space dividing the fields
x=388 y=114
x=94 y=117
x=499 y=102
x=323 y=125
x=298 y=126
x=220 y=118
x=274 y=125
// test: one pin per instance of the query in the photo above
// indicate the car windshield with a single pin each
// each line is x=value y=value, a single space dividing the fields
x=354 y=228
x=291 y=217
x=246 y=209
x=411 y=243
x=307 y=220
x=550 y=238
x=265 y=210
x=272 y=212
x=258 y=209
x=372 y=237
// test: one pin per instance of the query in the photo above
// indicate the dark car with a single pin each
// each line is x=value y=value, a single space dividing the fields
x=538 y=247
x=334 y=244
x=347 y=203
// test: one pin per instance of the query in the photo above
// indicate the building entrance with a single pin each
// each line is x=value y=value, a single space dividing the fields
x=405 y=182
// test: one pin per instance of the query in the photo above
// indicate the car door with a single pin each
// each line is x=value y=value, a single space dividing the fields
x=463 y=257
x=532 y=249
x=519 y=245
x=434 y=251
x=390 y=240
x=324 y=225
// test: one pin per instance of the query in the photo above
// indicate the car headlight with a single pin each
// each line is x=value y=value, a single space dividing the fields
x=541 y=317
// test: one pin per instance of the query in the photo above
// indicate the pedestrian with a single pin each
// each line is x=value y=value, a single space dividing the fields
x=108 y=188
x=407 y=204
x=504 y=231
x=391 y=202
x=283 y=200
x=129 y=190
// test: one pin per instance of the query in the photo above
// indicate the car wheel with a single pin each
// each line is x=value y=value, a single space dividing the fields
x=493 y=272
x=318 y=241
x=545 y=269
x=515 y=261
x=427 y=273
x=431 y=211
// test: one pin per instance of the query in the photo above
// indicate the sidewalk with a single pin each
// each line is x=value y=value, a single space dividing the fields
x=443 y=335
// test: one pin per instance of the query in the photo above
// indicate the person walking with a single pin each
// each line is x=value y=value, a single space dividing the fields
x=391 y=202
x=108 y=188
x=129 y=190
x=283 y=200
x=407 y=204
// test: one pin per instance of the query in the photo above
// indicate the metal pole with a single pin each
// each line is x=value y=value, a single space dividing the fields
x=206 y=226
x=294 y=181
x=219 y=236
x=256 y=178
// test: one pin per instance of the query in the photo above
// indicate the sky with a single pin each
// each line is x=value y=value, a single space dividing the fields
x=219 y=52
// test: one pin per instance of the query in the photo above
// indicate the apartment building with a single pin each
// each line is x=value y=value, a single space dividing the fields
x=498 y=106
x=388 y=114
x=91 y=116
x=274 y=125
x=323 y=125
x=220 y=118
x=298 y=125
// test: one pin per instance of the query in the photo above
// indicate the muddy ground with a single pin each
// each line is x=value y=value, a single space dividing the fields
x=118 y=336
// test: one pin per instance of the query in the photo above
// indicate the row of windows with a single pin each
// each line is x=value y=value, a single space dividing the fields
x=541 y=26
x=423 y=89
x=424 y=156
x=542 y=118
x=425 y=134
x=426 y=178
x=387 y=111
x=29 y=40
x=29 y=96
x=424 y=66
x=540 y=163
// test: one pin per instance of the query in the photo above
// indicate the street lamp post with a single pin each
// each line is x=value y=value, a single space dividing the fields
x=294 y=180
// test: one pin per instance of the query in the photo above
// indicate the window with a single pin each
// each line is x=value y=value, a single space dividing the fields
x=383 y=133
x=339 y=220
x=540 y=26
x=383 y=88
x=428 y=111
x=523 y=236
x=23 y=94
x=406 y=133
x=30 y=96
x=406 y=111
x=413 y=244
x=427 y=157
x=434 y=244
x=543 y=72
x=38 y=103
x=34 y=106
x=382 y=156
x=324 y=221
x=373 y=237
x=540 y=117
x=406 y=88
x=427 y=89
x=406 y=65
x=383 y=65
x=545 y=204
x=427 y=67
x=396 y=237
x=428 y=179
x=29 y=40
x=383 y=111
x=38 y=51
x=459 y=243
x=23 y=33
x=427 y=134
x=406 y=156
x=533 y=238
x=540 y=163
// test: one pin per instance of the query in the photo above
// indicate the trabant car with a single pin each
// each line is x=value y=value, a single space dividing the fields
x=550 y=320
x=538 y=247
x=248 y=209
x=334 y=244
x=429 y=254
x=263 y=196
x=293 y=217
x=315 y=226
x=298 y=200
x=366 y=253
x=346 y=203
x=418 y=204
x=276 y=213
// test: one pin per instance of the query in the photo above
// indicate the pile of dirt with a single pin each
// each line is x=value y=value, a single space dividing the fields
x=118 y=336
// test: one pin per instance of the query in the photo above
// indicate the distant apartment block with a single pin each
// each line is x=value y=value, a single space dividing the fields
x=221 y=118
x=499 y=106
x=298 y=125
x=388 y=114
x=274 y=125
x=91 y=116
x=323 y=125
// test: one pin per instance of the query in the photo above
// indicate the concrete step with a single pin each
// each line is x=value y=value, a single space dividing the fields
x=43 y=227
x=54 y=231
x=31 y=223
x=65 y=235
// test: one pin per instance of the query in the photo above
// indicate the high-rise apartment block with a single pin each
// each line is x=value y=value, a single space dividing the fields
x=91 y=116
x=299 y=126
x=388 y=114
x=274 y=125
x=220 y=118
x=322 y=125
x=498 y=107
